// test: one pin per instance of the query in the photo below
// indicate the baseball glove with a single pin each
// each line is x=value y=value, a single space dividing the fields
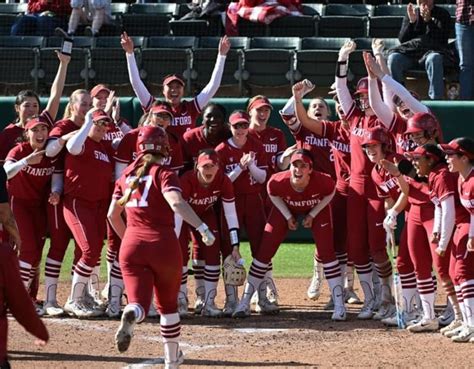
x=234 y=273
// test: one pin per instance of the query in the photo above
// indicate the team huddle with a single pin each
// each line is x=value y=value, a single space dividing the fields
x=156 y=189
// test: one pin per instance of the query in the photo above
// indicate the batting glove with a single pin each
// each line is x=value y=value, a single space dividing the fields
x=390 y=221
x=206 y=234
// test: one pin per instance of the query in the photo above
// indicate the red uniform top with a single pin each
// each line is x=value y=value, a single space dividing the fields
x=87 y=176
x=202 y=198
x=341 y=152
x=185 y=116
x=63 y=127
x=320 y=185
x=59 y=7
x=147 y=209
x=126 y=151
x=442 y=183
x=193 y=142
x=386 y=184
x=230 y=158
x=11 y=133
x=320 y=148
x=274 y=143
x=466 y=192
x=32 y=182
x=419 y=192
x=113 y=133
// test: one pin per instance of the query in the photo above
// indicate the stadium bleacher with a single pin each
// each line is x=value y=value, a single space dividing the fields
x=164 y=44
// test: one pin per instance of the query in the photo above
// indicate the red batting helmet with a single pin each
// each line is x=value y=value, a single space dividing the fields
x=376 y=135
x=153 y=140
x=422 y=122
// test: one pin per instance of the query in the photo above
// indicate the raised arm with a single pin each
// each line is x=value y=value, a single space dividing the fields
x=301 y=113
x=58 y=85
x=343 y=93
x=75 y=145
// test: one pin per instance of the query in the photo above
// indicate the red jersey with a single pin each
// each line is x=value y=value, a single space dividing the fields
x=88 y=175
x=113 y=133
x=319 y=146
x=126 y=150
x=274 y=143
x=193 y=142
x=10 y=134
x=466 y=192
x=230 y=158
x=60 y=8
x=202 y=198
x=320 y=185
x=339 y=138
x=185 y=116
x=442 y=183
x=385 y=184
x=33 y=181
x=63 y=127
x=142 y=208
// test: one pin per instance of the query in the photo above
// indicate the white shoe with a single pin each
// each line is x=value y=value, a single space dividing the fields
x=254 y=299
x=229 y=308
x=410 y=319
x=52 y=308
x=183 y=307
x=198 y=305
x=265 y=307
x=424 y=325
x=454 y=332
x=93 y=302
x=367 y=311
x=124 y=334
x=272 y=293
x=465 y=335
x=386 y=310
x=113 y=310
x=351 y=297
x=40 y=310
x=105 y=292
x=241 y=311
x=339 y=314
x=212 y=311
x=78 y=309
x=91 y=305
x=329 y=305
x=314 y=289
x=177 y=363
x=447 y=316
x=453 y=325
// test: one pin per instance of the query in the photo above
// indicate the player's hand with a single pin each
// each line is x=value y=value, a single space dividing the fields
x=224 y=45
x=367 y=59
x=378 y=46
x=63 y=58
x=390 y=167
x=127 y=43
x=110 y=102
x=435 y=237
x=470 y=244
x=54 y=198
x=292 y=224
x=373 y=68
x=252 y=157
x=289 y=151
x=116 y=110
x=236 y=254
x=390 y=222
x=440 y=251
x=425 y=13
x=35 y=157
x=308 y=221
x=411 y=13
x=67 y=136
x=15 y=243
x=298 y=90
x=346 y=50
x=40 y=343
x=244 y=161
x=206 y=234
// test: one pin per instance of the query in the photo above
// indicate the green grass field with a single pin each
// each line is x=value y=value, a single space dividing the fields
x=291 y=261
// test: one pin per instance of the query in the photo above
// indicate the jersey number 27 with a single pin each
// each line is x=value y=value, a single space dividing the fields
x=140 y=202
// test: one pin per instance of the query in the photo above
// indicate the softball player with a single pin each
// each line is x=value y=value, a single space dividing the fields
x=299 y=191
x=203 y=188
x=185 y=112
x=150 y=255
x=460 y=158
x=86 y=202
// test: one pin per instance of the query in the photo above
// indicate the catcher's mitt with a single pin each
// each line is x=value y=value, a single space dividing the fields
x=234 y=274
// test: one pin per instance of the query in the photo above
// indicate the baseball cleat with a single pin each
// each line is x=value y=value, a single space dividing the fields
x=424 y=325
x=229 y=308
x=211 y=311
x=52 y=308
x=183 y=307
x=198 y=305
x=39 y=307
x=454 y=332
x=465 y=335
x=329 y=305
x=339 y=314
x=177 y=363
x=351 y=297
x=386 y=310
x=124 y=334
x=104 y=294
x=79 y=309
x=367 y=311
x=272 y=292
x=265 y=307
x=113 y=310
x=241 y=311
x=447 y=316
x=410 y=319
x=453 y=325
x=314 y=289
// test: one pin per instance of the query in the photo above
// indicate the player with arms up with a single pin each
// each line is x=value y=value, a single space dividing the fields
x=150 y=255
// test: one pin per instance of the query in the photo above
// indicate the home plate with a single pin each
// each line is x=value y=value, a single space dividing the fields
x=259 y=330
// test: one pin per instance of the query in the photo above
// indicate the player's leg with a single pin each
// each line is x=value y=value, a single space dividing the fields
x=184 y=238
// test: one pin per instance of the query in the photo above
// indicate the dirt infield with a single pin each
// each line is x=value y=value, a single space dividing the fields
x=302 y=335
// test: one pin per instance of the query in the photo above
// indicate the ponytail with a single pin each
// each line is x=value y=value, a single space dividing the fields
x=143 y=168
x=71 y=102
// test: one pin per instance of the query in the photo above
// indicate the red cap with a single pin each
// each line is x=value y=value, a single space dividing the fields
x=453 y=148
x=420 y=151
x=258 y=103
x=300 y=156
x=33 y=122
x=239 y=117
x=173 y=77
x=101 y=115
x=162 y=108
x=95 y=91
x=206 y=158
x=376 y=135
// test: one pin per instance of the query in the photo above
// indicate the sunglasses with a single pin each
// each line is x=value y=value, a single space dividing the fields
x=163 y=116
x=102 y=123
x=241 y=125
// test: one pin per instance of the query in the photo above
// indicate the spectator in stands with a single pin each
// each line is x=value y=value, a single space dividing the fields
x=424 y=41
x=42 y=17
x=86 y=11
x=464 y=44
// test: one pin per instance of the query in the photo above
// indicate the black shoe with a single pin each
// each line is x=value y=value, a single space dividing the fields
x=89 y=33
x=58 y=31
